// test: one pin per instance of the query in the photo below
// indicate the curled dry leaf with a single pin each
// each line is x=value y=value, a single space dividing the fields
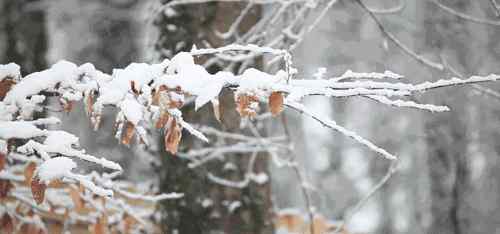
x=31 y=228
x=89 y=102
x=77 y=199
x=57 y=183
x=129 y=223
x=156 y=95
x=5 y=187
x=66 y=105
x=162 y=120
x=247 y=105
x=29 y=171
x=217 y=109
x=294 y=223
x=7 y=224
x=3 y=161
x=128 y=133
x=38 y=190
x=276 y=103
x=5 y=86
x=173 y=137
x=101 y=225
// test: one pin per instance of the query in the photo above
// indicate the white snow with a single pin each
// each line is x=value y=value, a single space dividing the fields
x=19 y=129
x=55 y=168
x=59 y=140
x=11 y=70
x=61 y=72
x=132 y=110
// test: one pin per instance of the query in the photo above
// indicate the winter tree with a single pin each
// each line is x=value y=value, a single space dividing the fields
x=223 y=73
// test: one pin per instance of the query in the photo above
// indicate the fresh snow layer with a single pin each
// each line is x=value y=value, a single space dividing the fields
x=19 y=129
x=11 y=70
x=55 y=168
x=39 y=81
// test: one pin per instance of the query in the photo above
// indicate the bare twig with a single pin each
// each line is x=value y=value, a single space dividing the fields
x=390 y=171
x=496 y=7
x=398 y=43
x=465 y=16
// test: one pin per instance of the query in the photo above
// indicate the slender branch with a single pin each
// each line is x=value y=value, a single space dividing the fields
x=496 y=7
x=465 y=16
x=333 y=125
x=392 y=10
x=398 y=43
x=390 y=171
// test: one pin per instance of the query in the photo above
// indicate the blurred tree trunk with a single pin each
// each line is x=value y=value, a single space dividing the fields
x=105 y=33
x=447 y=141
x=205 y=207
x=23 y=37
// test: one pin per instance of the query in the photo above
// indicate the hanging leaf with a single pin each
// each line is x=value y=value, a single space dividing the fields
x=5 y=187
x=89 y=103
x=31 y=228
x=217 y=109
x=5 y=85
x=160 y=123
x=129 y=133
x=129 y=223
x=67 y=105
x=29 y=170
x=157 y=94
x=101 y=225
x=77 y=199
x=276 y=103
x=247 y=105
x=57 y=183
x=173 y=137
x=294 y=223
x=3 y=161
x=38 y=190
x=7 y=224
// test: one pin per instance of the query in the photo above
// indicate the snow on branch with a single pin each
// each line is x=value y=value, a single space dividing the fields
x=150 y=97
x=333 y=125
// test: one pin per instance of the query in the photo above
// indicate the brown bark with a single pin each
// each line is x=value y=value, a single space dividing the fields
x=194 y=24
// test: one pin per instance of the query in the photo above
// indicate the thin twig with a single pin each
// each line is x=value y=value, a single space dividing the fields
x=398 y=43
x=390 y=171
x=465 y=16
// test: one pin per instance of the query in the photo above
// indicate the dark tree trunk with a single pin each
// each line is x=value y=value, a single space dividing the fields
x=447 y=133
x=204 y=208
x=23 y=37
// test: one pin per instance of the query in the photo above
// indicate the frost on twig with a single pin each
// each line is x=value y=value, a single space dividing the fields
x=151 y=96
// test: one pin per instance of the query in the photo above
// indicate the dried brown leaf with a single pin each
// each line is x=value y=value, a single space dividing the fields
x=5 y=85
x=217 y=109
x=276 y=103
x=77 y=199
x=245 y=105
x=90 y=103
x=7 y=224
x=5 y=187
x=128 y=133
x=38 y=190
x=294 y=223
x=129 y=223
x=101 y=225
x=29 y=170
x=3 y=161
x=160 y=123
x=173 y=137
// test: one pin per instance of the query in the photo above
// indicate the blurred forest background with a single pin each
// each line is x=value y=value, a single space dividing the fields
x=448 y=178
